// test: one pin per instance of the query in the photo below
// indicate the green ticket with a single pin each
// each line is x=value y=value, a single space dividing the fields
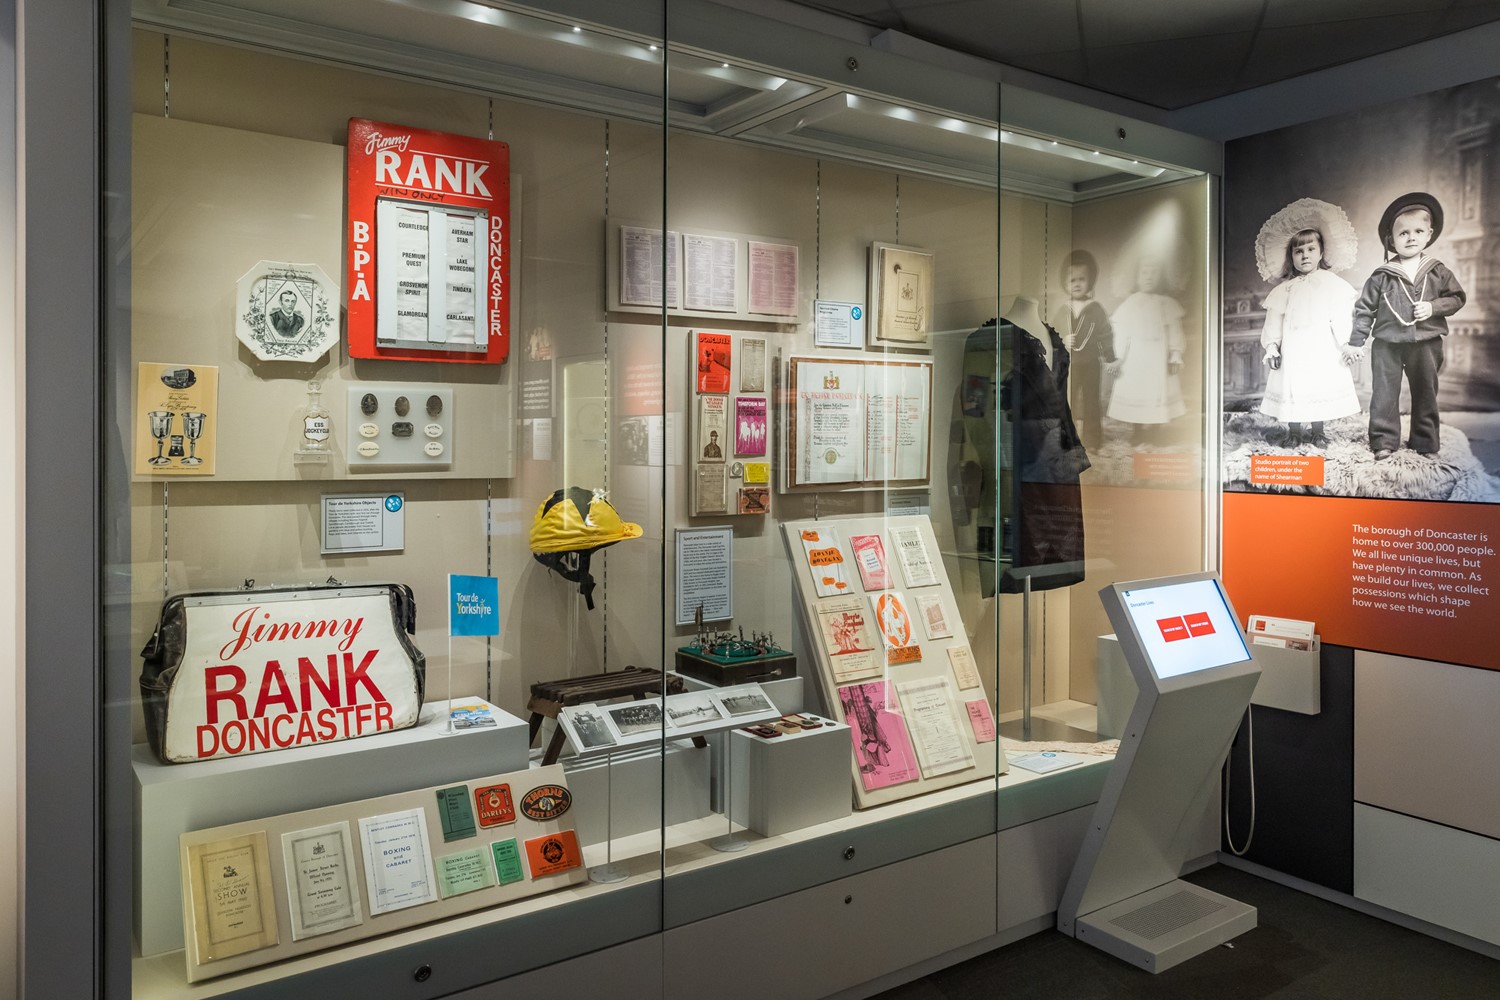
x=507 y=861
x=463 y=872
x=456 y=813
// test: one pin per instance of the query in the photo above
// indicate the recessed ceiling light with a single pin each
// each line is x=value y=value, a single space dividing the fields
x=576 y=29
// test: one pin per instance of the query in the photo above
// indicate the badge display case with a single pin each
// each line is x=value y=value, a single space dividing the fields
x=798 y=403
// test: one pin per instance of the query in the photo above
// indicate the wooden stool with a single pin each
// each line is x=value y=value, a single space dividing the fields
x=550 y=697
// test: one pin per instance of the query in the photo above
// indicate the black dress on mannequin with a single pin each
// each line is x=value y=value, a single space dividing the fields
x=1045 y=505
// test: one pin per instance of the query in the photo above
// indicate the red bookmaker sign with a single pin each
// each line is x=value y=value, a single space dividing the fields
x=429 y=245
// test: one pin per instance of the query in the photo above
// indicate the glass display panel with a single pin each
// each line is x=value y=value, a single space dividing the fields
x=396 y=529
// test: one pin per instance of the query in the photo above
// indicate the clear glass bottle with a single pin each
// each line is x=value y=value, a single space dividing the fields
x=317 y=425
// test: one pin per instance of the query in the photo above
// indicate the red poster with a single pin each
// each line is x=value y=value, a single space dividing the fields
x=713 y=362
x=429 y=245
x=1408 y=577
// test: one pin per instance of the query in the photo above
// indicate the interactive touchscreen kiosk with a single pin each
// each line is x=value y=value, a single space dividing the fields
x=1195 y=675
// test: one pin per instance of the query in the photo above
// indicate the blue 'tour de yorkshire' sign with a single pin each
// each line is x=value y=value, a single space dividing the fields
x=473 y=605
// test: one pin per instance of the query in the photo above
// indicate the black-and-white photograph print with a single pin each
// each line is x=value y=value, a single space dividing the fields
x=1359 y=318
x=748 y=702
x=591 y=730
x=636 y=718
x=695 y=708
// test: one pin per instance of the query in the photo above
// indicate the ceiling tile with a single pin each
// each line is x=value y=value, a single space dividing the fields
x=1060 y=65
x=1282 y=53
x=1468 y=16
x=1285 y=13
x=997 y=31
x=1125 y=22
x=1169 y=74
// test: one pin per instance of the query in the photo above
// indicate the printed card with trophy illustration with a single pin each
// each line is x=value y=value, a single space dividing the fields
x=176 y=419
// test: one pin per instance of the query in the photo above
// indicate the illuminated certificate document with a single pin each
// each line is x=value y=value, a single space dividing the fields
x=229 y=883
x=935 y=733
x=398 y=863
x=320 y=880
x=830 y=415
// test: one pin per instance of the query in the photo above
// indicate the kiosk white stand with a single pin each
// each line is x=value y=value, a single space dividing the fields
x=1183 y=643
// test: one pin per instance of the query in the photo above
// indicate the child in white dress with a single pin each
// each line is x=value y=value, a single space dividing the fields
x=1148 y=352
x=1308 y=317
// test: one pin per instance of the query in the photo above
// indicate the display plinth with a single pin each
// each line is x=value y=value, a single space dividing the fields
x=792 y=781
x=172 y=799
x=631 y=783
x=1166 y=926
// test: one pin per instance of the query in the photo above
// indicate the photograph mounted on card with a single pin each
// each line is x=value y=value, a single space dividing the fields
x=176 y=419
x=900 y=297
x=287 y=312
x=428 y=245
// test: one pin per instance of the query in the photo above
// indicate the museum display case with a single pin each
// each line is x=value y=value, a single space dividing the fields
x=722 y=522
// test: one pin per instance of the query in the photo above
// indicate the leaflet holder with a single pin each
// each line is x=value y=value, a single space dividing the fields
x=1182 y=641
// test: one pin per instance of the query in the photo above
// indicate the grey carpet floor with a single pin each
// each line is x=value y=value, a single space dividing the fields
x=1303 y=948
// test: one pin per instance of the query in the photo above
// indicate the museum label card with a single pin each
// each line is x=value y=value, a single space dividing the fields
x=704 y=560
x=934 y=618
x=825 y=560
x=882 y=749
x=869 y=557
x=749 y=425
x=456 y=814
x=927 y=706
x=320 y=880
x=965 y=671
x=981 y=720
x=911 y=550
x=229 y=883
x=895 y=626
x=752 y=364
x=774 y=275
x=463 y=872
x=495 y=805
x=554 y=853
x=838 y=324
x=398 y=860
x=844 y=622
x=507 y=855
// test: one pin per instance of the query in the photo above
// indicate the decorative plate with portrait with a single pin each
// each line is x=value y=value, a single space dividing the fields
x=286 y=312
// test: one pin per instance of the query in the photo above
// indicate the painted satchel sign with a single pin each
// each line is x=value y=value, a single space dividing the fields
x=233 y=674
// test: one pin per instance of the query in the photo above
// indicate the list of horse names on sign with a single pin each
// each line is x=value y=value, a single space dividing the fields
x=1419 y=570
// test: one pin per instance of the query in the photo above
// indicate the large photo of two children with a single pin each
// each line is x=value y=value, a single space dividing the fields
x=1361 y=269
